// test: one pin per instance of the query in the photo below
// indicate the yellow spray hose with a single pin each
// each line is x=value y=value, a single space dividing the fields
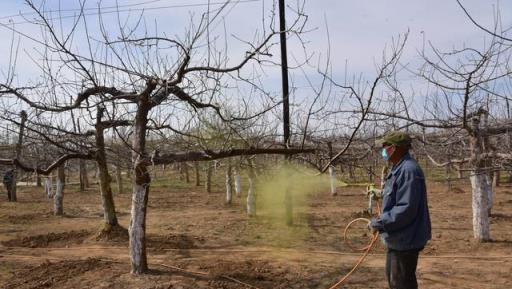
x=366 y=249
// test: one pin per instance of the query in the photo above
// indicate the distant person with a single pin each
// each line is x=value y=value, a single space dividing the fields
x=404 y=223
x=8 y=182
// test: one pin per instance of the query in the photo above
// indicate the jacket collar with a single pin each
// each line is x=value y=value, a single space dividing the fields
x=397 y=167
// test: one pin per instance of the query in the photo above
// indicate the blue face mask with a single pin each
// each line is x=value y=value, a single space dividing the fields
x=385 y=155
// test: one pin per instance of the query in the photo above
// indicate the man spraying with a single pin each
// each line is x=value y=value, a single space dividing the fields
x=404 y=223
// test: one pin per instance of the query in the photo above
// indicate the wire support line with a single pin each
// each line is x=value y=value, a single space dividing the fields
x=116 y=10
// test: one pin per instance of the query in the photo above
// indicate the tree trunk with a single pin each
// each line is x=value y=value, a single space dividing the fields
x=14 y=197
x=480 y=184
x=370 y=174
x=129 y=174
x=84 y=180
x=238 y=186
x=137 y=229
x=185 y=170
x=58 y=208
x=351 y=172
x=107 y=200
x=38 y=180
x=119 y=178
x=208 y=182
x=251 y=197
x=480 y=187
x=332 y=177
x=496 y=179
x=180 y=171
x=229 y=184
x=140 y=194
x=448 y=178
x=491 y=179
x=196 y=168
x=48 y=186
x=383 y=175
x=119 y=172
x=370 y=205
x=460 y=172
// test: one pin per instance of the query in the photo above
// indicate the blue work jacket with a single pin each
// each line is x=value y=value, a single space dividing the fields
x=404 y=223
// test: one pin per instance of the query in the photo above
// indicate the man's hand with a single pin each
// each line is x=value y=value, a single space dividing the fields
x=371 y=228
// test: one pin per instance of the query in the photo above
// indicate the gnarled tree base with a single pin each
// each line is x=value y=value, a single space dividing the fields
x=112 y=233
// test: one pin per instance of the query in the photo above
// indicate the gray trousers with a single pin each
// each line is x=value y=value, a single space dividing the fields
x=401 y=269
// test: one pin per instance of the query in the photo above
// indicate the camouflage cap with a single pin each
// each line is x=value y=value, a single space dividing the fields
x=396 y=138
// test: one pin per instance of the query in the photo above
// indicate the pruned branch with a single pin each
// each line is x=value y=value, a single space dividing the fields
x=209 y=155
x=50 y=168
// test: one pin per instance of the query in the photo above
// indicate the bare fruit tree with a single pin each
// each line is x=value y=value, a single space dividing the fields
x=148 y=82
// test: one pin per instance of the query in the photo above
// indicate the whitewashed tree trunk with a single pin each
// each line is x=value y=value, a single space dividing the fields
x=383 y=175
x=332 y=178
x=48 y=186
x=251 y=200
x=137 y=229
x=370 y=205
x=480 y=184
x=251 y=197
x=58 y=208
x=480 y=187
x=229 y=185
x=238 y=185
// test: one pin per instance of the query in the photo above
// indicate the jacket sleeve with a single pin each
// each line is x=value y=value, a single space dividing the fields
x=409 y=186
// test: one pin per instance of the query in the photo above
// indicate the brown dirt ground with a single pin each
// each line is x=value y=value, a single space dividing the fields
x=219 y=246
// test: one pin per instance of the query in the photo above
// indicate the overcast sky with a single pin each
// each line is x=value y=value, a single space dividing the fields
x=358 y=30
